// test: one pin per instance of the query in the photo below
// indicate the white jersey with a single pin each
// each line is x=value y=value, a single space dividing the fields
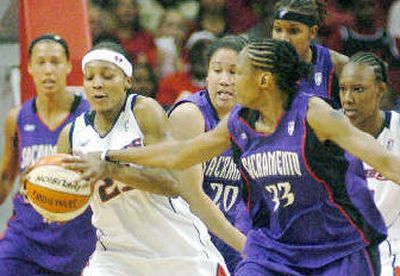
x=140 y=233
x=387 y=195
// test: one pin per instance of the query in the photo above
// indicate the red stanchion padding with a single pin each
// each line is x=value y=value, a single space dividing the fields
x=69 y=19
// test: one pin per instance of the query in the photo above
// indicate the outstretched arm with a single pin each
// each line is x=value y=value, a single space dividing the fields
x=351 y=139
x=191 y=180
x=154 y=126
x=178 y=154
x=9 y=163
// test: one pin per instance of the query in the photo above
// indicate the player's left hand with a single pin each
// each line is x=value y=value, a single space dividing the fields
x=91 y=167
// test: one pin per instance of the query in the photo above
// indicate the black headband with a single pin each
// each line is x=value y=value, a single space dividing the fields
x=50 y=37
x=284 y=14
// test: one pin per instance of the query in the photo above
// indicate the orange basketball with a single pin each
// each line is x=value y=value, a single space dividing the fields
x=54 y=192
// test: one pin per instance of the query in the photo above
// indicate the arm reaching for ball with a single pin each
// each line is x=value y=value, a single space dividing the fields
x=153 y=122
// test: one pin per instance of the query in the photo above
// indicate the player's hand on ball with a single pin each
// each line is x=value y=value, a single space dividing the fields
x=91 y=167
x=56 y=193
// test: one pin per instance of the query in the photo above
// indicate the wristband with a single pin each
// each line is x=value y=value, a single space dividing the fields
x=104 y=156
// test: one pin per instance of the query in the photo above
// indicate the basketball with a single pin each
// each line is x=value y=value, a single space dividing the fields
x=53 y=191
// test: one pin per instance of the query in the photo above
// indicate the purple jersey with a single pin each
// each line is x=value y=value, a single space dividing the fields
x=64 y=248
x=222 y=181
x=307 y=200
x=321 y=80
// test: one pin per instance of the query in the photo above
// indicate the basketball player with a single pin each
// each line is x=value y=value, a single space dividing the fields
x=297 y=22
x=201 y=112
x=139 y=232
x=312 y=214
x=363 y=83
x=30 y=246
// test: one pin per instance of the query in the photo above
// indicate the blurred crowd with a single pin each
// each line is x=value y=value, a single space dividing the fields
x=167 y=39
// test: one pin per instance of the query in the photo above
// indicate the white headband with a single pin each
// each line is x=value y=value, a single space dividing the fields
x=110 y=56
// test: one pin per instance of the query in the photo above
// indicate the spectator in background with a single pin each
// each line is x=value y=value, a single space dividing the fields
x=145 y=81
x=100 y=22
x=241 y=15
x=369 y=34
x=171 y=35
x=393 y=24
x=339 y=14
x=265 y=12
x=212 y=17
x=177 y=85
x=152 y=10
x=150 y=13
x=130 y=33
x=168 y=3
x=393 y=28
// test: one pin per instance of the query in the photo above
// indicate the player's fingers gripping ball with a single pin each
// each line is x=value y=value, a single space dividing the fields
x=55 y=192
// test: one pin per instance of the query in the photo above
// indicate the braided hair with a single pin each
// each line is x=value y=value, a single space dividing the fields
x=314 y=8
x=281 y=59
x=370 y=59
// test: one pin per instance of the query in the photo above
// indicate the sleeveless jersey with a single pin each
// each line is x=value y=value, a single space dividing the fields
x=320 y=82
x=308 y=205
x=63 y=248
x=386 y=193
x=145 y=227
x=222 y=181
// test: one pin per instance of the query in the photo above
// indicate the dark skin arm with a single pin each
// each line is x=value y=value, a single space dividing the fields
x=178 y=154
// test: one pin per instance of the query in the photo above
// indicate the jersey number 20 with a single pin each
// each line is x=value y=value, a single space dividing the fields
x=227 y=193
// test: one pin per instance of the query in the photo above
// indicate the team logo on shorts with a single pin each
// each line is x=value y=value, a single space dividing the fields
x=243 y=136
x=290 y=128
x=318 y=78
